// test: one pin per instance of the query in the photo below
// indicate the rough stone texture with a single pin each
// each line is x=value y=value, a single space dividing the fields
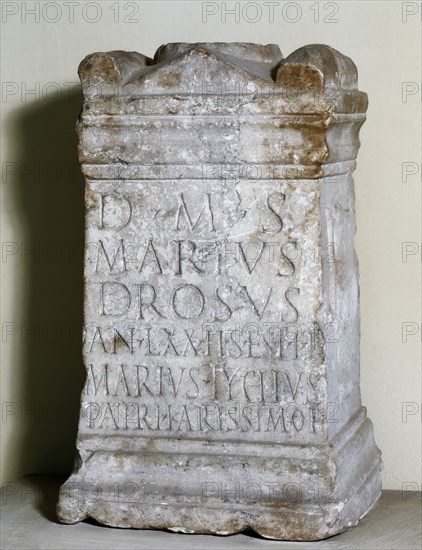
x=221 y=335
x=28 y=521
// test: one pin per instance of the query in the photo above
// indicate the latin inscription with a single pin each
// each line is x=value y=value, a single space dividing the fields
x=198 y=319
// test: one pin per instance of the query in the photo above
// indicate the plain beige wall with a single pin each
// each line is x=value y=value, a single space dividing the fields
x=42 y=372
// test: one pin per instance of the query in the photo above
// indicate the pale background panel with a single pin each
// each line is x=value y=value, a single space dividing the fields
x=42 y=197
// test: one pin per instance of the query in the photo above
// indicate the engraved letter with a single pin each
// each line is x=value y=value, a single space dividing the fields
x=192 y=224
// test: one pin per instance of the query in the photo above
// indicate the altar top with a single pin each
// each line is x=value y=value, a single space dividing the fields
x=224 y=69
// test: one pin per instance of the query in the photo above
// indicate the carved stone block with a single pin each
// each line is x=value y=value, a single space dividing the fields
x=221 y=337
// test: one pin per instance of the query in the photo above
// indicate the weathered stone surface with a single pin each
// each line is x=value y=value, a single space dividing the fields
x=221 y=335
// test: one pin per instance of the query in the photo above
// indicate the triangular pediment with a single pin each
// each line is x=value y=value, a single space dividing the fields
x=199 y=68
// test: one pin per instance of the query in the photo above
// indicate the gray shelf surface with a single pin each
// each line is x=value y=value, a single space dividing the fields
x=28 y=521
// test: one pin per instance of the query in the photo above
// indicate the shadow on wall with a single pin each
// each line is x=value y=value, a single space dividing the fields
x=47 y=190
